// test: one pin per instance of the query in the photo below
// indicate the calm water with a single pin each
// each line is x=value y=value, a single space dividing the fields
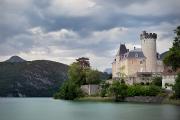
x=50 y=109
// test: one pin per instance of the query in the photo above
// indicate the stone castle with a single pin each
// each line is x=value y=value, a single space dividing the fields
x=140 y=64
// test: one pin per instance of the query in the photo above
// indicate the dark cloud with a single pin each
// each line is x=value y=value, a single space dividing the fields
x=96 y=30
x=120 y=3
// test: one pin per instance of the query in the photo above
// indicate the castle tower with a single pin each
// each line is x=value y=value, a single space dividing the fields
x=148 y=46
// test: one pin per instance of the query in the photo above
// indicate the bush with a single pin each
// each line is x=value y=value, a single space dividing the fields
x=142 y=83
x=118 y=90
x=139 y=90
x=157 y=81
x=177 y=86
x=153 y=90
x=104 y=89
x=69 y=91
x=103 y=93
x=147 y=83
x=134 y=90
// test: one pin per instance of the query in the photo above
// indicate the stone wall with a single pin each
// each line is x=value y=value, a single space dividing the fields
x=169 y=80
x=90 y=89
x=145 y=99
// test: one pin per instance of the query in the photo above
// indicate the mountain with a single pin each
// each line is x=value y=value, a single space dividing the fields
x=163 y=55
x=40 y=78
x=15 y=59
x=105 y=76
x=108 y=70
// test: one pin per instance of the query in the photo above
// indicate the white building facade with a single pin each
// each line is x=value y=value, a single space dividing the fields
x=127 y=63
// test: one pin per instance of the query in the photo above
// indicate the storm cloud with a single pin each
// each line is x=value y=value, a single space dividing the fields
x=63 y=30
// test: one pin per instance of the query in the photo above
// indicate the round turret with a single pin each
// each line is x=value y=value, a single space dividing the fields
x=146 y=35
x=148 y=46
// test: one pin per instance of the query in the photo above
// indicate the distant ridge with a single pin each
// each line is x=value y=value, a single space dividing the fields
x=15 y=59
x=163 y=55
x=108 y=70
x=39 y=78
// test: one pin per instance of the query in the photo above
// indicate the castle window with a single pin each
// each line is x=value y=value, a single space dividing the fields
x=136 y=55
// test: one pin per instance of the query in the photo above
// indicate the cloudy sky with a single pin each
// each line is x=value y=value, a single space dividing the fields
x=62 y=30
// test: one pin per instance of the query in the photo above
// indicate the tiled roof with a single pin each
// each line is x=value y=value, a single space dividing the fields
x=134 y=54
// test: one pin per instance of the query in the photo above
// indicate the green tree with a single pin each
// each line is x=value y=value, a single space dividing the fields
x=157 y=81
x=118 y=90
x=177 y=86
x=76 y=74
x=92 y=77
x=68 y=91
x=104 y=89
x=173 y=56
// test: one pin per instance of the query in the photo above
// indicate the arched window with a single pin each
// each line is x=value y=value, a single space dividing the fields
x=136 y=55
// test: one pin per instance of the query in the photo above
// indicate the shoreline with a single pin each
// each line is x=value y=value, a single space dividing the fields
x=96 y=99
x=110 y=99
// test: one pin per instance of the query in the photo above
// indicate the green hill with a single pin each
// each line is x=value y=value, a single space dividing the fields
x=40 y=78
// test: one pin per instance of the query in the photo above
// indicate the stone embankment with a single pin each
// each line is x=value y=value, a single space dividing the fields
x=145 y=99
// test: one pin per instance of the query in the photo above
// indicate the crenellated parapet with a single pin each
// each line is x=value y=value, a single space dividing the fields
x=146 y=35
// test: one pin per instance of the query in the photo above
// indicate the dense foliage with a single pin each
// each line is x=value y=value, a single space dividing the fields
x=177 y=86
x=118 y=90
x=68 y=91
x=157 y=81
x=84 y=76
x=142 y=90
x=104 y=89
x=92 y=77
x=173 y=56
x=77 y=76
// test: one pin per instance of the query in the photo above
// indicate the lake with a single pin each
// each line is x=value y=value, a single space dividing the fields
x=50 y=109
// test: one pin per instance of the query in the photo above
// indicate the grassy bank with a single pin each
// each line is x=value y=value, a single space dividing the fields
x=96 y=99
x=111 y=99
